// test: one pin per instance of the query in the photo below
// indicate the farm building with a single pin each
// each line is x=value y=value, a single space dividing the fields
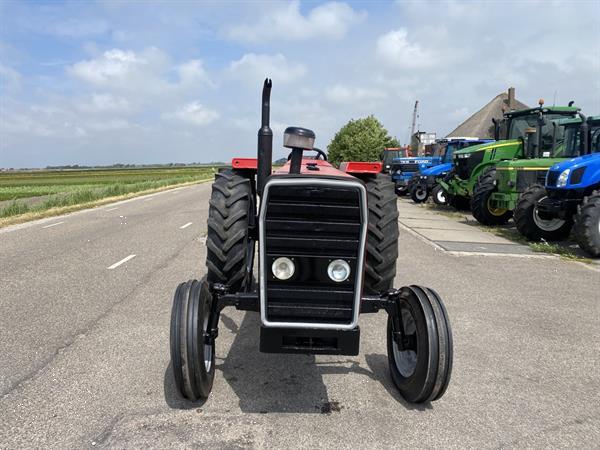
x=480 y=124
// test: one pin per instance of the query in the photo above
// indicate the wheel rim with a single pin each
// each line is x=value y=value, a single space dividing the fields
x=495 y=211
x=208 y=350
x=547 y=225
x=441 y=197
x=406 y=360
x=421 y=194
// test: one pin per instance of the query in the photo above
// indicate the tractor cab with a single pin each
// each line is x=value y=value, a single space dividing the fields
x=389 y=155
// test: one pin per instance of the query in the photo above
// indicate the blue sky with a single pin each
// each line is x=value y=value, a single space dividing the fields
x=107 y=82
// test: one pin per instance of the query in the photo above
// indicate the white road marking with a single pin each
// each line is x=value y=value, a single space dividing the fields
x=118 y=263
x=52 y=225
x=185 y=226
x=112 y=209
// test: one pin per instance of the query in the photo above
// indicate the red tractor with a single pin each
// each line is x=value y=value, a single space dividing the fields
x=327 y=249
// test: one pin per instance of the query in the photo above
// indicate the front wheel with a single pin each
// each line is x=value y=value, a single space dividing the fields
x=482 y=207
x=587 y=224
x=192 y=354
x=531 y=225
x=419 y=194
x=439 y=195
x=419 y=343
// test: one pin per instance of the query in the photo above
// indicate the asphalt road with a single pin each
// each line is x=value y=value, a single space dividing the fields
x=84 y=358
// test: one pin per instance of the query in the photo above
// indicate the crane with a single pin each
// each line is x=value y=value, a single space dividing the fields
x=414 y=122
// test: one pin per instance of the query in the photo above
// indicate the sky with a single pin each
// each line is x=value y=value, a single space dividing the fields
x=104 y=82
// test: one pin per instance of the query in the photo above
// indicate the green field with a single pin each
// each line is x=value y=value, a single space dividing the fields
x=40 y=190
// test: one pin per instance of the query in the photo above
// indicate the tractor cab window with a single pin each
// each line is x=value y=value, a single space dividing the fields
x=519 y=125
x=595 y=139
x=390 y=155
x=450 y=148
x=571 y=142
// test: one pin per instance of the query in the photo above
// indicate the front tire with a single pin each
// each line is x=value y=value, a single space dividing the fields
x=419 y=194
x=587 y=224
x=230 y=250
x=531 y=225
x=481 y=207
x=192 y=358
x=440 y=197
x=420 y=354
x=382 y=235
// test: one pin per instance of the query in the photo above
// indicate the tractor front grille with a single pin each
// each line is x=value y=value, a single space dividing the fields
x=409 y=167
x=552 y=177
x=465 y=166
x=526 y=178
x=312 y=224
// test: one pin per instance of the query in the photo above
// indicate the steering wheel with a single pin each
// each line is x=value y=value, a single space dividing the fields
x=320 y=154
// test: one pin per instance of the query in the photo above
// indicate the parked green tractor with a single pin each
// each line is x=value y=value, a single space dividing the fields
x=530 y=136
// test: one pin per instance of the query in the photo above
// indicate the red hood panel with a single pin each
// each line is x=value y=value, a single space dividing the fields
x=325 y=169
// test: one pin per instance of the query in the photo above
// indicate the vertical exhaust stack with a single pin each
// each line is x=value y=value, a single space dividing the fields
x=585 y=136
x=265 y=139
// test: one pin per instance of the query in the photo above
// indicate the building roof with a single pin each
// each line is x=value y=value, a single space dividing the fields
x=480 y=124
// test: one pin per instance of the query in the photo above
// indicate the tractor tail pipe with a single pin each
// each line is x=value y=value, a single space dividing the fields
x=265 y=140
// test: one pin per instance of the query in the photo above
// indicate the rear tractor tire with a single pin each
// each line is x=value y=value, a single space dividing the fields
x=587 y=224
x=192 y=357
x=382 y=235
x=531 y=225
x=419 y=194
x=230 y=250
x=440 y=197
x=420 y=352
x=481 y=206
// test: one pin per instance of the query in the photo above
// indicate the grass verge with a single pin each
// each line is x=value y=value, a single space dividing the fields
x=18 y=212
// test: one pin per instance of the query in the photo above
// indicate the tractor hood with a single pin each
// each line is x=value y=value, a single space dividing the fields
x=420 y=160
x=493 y=144
x=576 y=163
x=519 y=164
x=437 y=170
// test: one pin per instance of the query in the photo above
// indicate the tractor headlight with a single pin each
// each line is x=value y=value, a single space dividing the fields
x=563 y=178
x=338 y=270
x=283 y=268
x=464 y=155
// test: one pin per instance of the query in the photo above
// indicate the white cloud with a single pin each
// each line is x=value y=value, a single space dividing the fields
x=286 y=22
x=343 y=94
x=193 y=73
x=108 y=125
x=395 y=49
x=105 y=103
x=113 y=66
x=143 y=75
x=254 y=68
x=193 y=113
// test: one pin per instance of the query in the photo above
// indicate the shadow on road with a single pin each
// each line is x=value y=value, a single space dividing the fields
x=267 y=383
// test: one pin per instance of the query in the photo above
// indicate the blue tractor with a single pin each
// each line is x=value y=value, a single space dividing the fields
x=571 y=196
x=424 y=182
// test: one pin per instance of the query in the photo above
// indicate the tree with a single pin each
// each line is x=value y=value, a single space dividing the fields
x=360 y=140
